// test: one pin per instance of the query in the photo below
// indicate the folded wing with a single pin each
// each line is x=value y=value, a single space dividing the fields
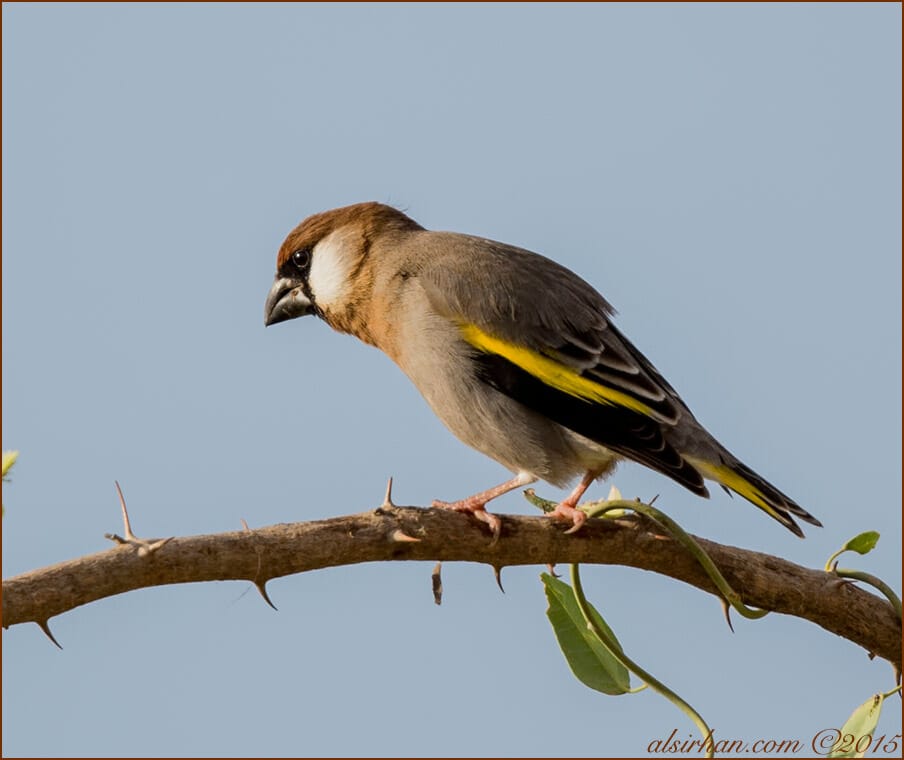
x=544 y=338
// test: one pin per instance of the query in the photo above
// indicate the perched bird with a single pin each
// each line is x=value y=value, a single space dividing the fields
x=516 y=354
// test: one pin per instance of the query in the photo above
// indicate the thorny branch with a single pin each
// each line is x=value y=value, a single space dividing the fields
x=411 y=533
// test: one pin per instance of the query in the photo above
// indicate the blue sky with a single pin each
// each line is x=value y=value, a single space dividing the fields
x=727 y=175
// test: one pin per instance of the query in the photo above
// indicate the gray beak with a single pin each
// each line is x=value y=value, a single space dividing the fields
x=286 y=300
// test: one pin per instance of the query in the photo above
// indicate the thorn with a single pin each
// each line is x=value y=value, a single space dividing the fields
x=144 y=546
x=125 y=512
x=437 y=582
x=497 y=571
x=387 y=499
x=552 y=570
x=149 y=547
x=46 y=628
x=840 y=582
x=652 y=501
x=726 y=610
x=399 y=536
x=261 y=586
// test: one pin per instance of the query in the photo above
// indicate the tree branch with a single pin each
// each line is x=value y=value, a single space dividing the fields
x=384 y=534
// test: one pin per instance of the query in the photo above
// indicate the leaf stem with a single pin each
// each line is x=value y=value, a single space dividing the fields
x=872 y=580
x=599 y=509
x=638 y=671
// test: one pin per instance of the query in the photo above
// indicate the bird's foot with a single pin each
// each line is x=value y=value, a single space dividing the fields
x=476 y=504
x=474 y=507
x=565 y=512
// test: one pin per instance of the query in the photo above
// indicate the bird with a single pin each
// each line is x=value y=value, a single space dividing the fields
x=516 y=354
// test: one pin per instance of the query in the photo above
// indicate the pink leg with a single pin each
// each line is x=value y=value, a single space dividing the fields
x=566 y=509
x=476 y=504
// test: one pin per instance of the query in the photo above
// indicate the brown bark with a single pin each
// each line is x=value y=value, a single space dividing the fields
x=762 y=580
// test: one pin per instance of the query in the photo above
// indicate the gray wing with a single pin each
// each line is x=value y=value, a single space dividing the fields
x=529 y=300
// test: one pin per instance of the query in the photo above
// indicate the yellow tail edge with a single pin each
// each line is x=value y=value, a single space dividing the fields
x=726 y=476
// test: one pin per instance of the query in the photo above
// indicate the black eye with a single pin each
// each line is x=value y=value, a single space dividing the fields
x=302 y=259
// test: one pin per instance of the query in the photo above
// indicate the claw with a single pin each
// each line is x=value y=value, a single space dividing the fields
x=566 y=513
x=476 y=504
x=494 y=521
x=477 y=510
x=566 y=510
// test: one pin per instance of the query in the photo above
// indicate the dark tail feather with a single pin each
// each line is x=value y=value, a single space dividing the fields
x=736 y=476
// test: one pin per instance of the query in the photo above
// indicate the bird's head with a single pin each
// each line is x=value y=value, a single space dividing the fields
x=320 y=266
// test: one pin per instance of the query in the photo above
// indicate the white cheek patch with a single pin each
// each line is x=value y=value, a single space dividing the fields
x=331 y=265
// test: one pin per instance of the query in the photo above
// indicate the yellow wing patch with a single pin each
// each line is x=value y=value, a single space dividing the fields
x=553 y=373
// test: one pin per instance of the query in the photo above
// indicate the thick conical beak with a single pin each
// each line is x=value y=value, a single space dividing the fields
x=286 y=300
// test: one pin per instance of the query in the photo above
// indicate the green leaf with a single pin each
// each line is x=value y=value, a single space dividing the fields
x=9 y=459
x=861 y=724
x=588 y=659
x=862 y=544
